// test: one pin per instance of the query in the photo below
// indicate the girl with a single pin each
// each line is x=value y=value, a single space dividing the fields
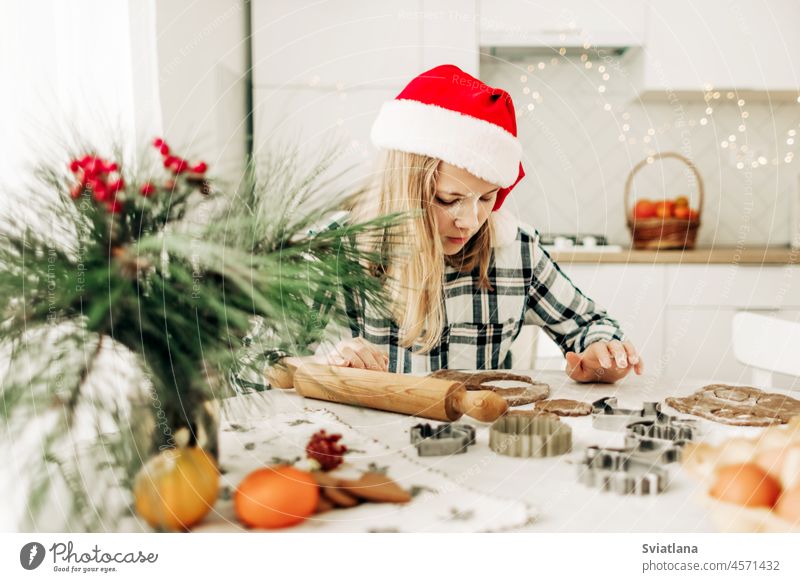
x=463 y=275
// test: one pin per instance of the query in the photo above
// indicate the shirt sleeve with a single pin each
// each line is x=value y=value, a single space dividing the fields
x=334 y=332
x=568 y=316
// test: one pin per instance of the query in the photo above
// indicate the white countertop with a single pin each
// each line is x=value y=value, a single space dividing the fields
x=551 y=484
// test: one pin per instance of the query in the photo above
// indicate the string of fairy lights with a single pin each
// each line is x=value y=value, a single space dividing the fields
x=743 y=154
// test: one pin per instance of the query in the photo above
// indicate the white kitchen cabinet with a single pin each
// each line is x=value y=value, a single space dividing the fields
x=569 y=23
x=353 y=45
x=725 y=44
x=699 y=345
x=330 y=44
x=680 y=316
x=633 y=295
x=328 y=83
x=736 y=286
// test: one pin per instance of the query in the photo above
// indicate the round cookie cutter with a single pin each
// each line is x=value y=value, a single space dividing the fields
x=530 y=436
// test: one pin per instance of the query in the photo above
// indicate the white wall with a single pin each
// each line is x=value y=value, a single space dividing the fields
x=202 y=53
x=322 y=70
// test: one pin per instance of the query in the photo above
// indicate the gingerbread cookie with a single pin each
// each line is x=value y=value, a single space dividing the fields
x=342 y=493
x=563 y=407
x=376 y=487
x=738 y=405
x=534 y=392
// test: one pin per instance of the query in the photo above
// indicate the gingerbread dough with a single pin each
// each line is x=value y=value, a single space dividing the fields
x=738 y=405
x=563 y=407
x=534 y=392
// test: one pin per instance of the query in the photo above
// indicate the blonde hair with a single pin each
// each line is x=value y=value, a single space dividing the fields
x=413 y=260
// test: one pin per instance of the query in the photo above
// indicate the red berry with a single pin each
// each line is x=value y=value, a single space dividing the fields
x=74 y=166
x=200 y=168
x=158 y=142
x=147 y=189
x=76 y=190
x=164 y=149
x=179 y=166
x=326 y=450
x=116 y=185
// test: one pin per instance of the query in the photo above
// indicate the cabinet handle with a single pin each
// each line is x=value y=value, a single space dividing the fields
x=572 y=31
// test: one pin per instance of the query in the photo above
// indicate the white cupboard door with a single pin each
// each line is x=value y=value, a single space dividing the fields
x=725 y=44
x=335 y=44
x=633 y=295
x=538 y=23
x=698 y=345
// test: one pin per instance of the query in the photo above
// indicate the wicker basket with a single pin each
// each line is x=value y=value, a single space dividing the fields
x=663 y=233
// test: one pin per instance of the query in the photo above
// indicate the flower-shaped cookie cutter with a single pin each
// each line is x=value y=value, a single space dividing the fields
x=445 y=439
x=530 y=436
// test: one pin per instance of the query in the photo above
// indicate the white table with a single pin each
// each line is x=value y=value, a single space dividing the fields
x=551 y=484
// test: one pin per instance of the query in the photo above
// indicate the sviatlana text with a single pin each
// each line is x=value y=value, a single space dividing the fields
x=668 y=549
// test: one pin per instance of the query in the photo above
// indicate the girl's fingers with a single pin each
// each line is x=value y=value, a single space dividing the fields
x=602 y=351
x=573 y=362
x=370 y=353
x=353 y=357
x=618 y=353
x=372 y=360
x=630 y=349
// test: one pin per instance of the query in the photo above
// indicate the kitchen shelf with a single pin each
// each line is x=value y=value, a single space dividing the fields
x=719 y=255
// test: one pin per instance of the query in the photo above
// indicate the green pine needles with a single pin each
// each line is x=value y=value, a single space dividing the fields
x=157 y=267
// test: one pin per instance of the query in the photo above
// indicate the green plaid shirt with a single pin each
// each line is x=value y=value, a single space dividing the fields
x=528 y=288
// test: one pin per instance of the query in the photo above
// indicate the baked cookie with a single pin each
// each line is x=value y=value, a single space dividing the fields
x=376 y=487
x=533 y=392
x=343 y=493
x=564 y=407
x=738 y=405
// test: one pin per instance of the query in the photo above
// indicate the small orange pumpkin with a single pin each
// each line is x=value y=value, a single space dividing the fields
x=177 y=488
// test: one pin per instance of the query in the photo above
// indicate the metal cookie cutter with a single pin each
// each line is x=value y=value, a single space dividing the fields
x=526 y=436
x=621 y=471
x=606 y=415
x=660 y=440
x=445 y=439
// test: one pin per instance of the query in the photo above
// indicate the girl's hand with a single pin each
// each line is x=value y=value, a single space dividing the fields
x=359 y=353
x=604 y=362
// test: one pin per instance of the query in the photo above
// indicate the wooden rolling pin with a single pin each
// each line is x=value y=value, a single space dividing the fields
x=414 y=395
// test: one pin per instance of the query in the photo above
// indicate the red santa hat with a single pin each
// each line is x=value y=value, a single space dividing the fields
x=447 y=114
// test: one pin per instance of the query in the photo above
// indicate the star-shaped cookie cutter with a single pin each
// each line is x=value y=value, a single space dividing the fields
x=445 y=439
x=621 y=471
x=607 y=415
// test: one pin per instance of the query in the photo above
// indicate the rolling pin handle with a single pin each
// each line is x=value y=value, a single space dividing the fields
x=482 y=405
x=281 y=375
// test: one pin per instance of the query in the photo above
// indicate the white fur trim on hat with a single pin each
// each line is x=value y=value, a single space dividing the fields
x=484 y=149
